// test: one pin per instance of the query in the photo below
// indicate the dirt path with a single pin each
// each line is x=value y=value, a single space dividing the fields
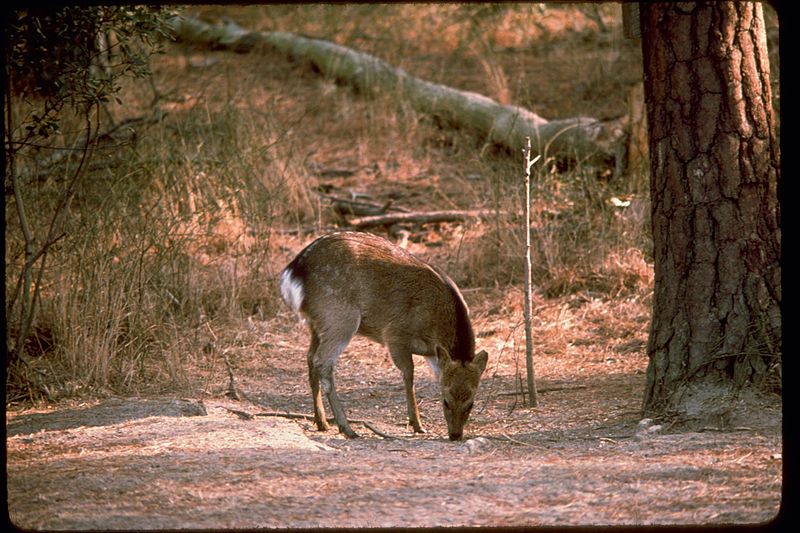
x=164 y=464
x=581 y=457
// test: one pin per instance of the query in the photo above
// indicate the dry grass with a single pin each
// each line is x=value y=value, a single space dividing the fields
x=179 y=231
x=166 y=233
x=177 y=234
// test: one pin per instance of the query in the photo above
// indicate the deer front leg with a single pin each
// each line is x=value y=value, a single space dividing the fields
x=403 y=361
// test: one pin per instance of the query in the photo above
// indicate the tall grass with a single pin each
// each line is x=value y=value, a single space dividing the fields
x=580 y=240
x=167 y=234
x=177 y=234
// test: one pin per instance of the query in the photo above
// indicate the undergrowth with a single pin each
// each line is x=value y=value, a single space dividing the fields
x=178 y=232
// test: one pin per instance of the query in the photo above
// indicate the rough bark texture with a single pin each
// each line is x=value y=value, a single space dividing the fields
x=714 y=173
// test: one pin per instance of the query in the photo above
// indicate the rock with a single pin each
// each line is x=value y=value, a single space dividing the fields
x=645 y=423
x=646 y=428
x=476 y=445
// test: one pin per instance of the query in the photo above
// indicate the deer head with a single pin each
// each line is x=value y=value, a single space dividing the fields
x=459 y=381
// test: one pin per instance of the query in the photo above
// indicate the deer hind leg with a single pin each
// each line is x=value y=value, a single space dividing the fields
x=313 y=378
x=332 y=342
x=401 y=356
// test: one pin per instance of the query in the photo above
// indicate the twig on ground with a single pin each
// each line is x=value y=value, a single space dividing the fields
x=543 y=389
x=724 y=430
x=241 y=414
x=302 y=416
x=513 y=440
x=378 y=432
x=422 y=217
x=293 y=416
x=345 y=207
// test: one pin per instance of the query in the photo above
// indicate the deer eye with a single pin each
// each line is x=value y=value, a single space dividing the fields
x=446 y=405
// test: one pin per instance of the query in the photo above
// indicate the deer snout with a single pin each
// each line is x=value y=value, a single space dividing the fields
x=456 y=436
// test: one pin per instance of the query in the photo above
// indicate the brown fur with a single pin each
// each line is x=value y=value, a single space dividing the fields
x=350 y=283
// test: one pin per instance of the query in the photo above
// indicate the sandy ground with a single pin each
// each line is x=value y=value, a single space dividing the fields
x=582 y=457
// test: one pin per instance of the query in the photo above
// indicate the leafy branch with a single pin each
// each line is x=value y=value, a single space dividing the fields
x=69 y=58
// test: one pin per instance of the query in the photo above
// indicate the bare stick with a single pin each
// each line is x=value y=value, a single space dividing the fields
x=423 y=217
x=347 y=207
x=542 y=390
x=303 y=416
x=294 y=416
x=378 y=432
x=241 y=414
x=532 y=396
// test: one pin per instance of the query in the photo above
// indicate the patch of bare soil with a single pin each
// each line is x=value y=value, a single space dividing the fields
x=217 y=470
x=582 y=457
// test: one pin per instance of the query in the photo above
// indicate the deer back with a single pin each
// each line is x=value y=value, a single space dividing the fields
x=398 y=297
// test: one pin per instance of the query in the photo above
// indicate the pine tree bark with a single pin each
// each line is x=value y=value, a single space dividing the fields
x=716 y=322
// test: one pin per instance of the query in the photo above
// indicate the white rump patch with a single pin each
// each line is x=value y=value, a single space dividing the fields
x=291 y=290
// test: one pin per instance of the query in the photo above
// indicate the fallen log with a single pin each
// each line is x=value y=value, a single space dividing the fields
x=345 y=208
x=504 y=125
x=422 y=217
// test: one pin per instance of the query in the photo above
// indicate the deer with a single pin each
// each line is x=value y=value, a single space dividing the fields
x=351 y=283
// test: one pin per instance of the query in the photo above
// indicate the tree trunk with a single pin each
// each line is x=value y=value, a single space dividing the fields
x=716 y=322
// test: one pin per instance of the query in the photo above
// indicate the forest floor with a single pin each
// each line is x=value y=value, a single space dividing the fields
x=584 y=456
x=581 y=458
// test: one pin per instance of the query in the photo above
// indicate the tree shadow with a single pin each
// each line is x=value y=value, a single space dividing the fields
x=112 y=411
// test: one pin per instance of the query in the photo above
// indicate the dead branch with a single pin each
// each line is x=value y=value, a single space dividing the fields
x=344 y=207
x=423 y=217
x=241 y=414
x=378 y=432
x=294 y=416
x=302 y=416
x=541 y=390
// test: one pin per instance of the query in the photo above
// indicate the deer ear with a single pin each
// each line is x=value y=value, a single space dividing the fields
x=480 y=360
